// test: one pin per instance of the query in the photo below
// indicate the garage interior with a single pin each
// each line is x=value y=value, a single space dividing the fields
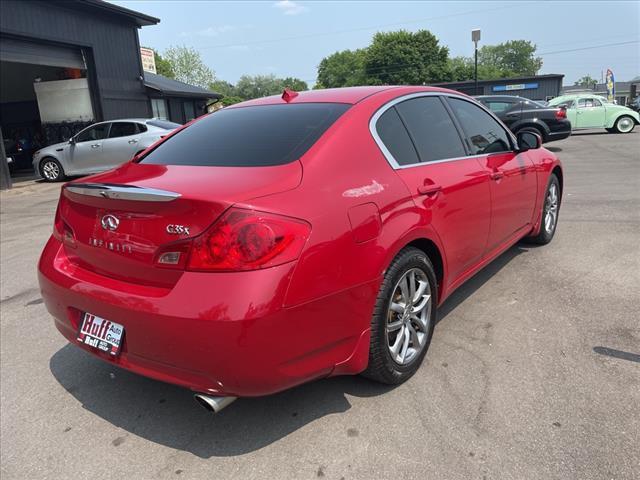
x=34 y=110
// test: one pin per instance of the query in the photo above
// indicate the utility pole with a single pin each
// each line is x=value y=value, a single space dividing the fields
x=475 y=37
x=5 y=176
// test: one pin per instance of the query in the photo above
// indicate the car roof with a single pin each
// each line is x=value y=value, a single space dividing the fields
x=350 y=95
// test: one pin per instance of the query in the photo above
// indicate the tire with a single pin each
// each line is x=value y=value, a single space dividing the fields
x=51 y=170
x=624 y=124
x=415 y=323
x=533 y=130
x=548 y=231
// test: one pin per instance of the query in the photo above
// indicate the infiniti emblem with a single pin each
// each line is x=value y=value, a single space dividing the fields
x=110 y=222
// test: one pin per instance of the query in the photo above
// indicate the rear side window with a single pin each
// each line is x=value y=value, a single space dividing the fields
x=396 y=138
x=431 y=129
x=256 y=136
x=484 y=133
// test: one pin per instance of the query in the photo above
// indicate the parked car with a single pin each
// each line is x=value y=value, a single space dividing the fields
x=286 y=239
x=522 y=114
x=17 y=155
x=592 y=111
x=99 y=147
x=635 y=104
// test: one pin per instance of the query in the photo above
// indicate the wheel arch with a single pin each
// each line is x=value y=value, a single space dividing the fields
x=557 y=171
x=52 y=157
x=541 y=127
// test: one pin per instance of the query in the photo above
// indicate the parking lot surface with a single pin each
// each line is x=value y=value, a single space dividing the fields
x=533 y=371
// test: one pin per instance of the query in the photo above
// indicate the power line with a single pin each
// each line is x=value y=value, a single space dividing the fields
x=590 y=48
x=371 y=27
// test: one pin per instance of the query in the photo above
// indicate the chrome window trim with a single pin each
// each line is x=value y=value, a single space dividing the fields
x=390 y=158
x=121 y=192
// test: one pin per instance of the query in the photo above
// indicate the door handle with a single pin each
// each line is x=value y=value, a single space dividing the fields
x=429 y=189
x=497 y=175
x=579 y=112
x=132 y=141
x=95 y=145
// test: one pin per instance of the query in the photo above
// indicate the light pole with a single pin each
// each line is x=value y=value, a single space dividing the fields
x=475 y=36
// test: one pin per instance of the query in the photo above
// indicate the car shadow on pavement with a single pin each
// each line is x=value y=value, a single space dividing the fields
x=168 y=415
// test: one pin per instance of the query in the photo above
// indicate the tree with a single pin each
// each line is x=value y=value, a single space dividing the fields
x=224 y=88
x=510 y=59
x=461 y=68
x=188 y=67
x=295 y=84
x=226 y=101
x=163 y=66
x=255 y=86
x=406 y=58
x=342 y=69
x=586 y=82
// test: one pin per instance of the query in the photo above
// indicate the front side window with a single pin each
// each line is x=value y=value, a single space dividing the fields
x=588 y=103
x=263 y=135
x=431 y=129
x=484 y=134
x=122 y=129
x=498 y=107
x=97 y=132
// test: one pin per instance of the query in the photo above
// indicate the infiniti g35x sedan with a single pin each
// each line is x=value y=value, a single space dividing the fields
x=99 y=147
x=291 y=238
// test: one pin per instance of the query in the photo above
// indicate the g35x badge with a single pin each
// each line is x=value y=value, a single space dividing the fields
x=177 y=229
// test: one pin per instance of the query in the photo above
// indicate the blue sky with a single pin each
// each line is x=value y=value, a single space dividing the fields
x=289 y=38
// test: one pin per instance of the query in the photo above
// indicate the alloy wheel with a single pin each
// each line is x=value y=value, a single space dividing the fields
x=51 y=170
x=408 y=316
x=551 y=208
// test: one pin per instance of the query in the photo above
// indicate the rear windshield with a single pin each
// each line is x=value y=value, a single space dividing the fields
x=163 y=124
x=249 y=136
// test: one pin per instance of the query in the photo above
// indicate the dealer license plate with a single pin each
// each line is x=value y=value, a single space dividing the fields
x=102 y=334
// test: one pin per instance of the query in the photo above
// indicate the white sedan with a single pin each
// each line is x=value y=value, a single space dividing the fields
x=99 y=147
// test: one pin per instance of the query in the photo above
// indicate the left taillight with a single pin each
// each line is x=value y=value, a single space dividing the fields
x=240 y=240
x=561 y=113
x=61 y=229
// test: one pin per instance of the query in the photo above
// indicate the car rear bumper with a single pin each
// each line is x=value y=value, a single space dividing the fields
x=219 y=333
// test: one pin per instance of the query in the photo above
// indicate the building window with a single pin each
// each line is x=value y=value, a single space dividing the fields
x=189 y=111
x=159 y=108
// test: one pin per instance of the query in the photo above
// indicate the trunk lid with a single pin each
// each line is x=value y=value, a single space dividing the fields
x=119 y=219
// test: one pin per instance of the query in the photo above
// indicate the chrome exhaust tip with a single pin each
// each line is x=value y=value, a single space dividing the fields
x=213 y=404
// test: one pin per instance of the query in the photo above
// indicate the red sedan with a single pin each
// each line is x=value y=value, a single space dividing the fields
x=293 y=237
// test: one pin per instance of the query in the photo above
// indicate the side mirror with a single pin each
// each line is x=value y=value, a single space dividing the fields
x=528 y=141
x=72 y=141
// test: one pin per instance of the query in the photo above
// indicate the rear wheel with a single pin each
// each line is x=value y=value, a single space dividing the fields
x=403 y=319
x=535 y=130
x=624 y=124
x=51 y=170
x=550 y=211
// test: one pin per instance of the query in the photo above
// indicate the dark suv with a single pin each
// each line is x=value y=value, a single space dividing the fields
x=521 y=114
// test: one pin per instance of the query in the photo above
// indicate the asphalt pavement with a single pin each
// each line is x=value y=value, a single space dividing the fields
x=533 y=371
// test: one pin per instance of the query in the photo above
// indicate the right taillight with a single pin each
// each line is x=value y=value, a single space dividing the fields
x=561 y=113
x=240 y=240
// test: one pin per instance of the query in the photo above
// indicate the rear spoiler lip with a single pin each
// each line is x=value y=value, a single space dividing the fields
x=121 y=192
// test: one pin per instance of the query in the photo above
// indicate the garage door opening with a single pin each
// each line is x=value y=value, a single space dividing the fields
x=44 y=98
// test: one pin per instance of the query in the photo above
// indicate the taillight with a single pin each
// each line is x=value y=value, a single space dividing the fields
x=561 y=113
x=240 y=240
x=58 y=224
